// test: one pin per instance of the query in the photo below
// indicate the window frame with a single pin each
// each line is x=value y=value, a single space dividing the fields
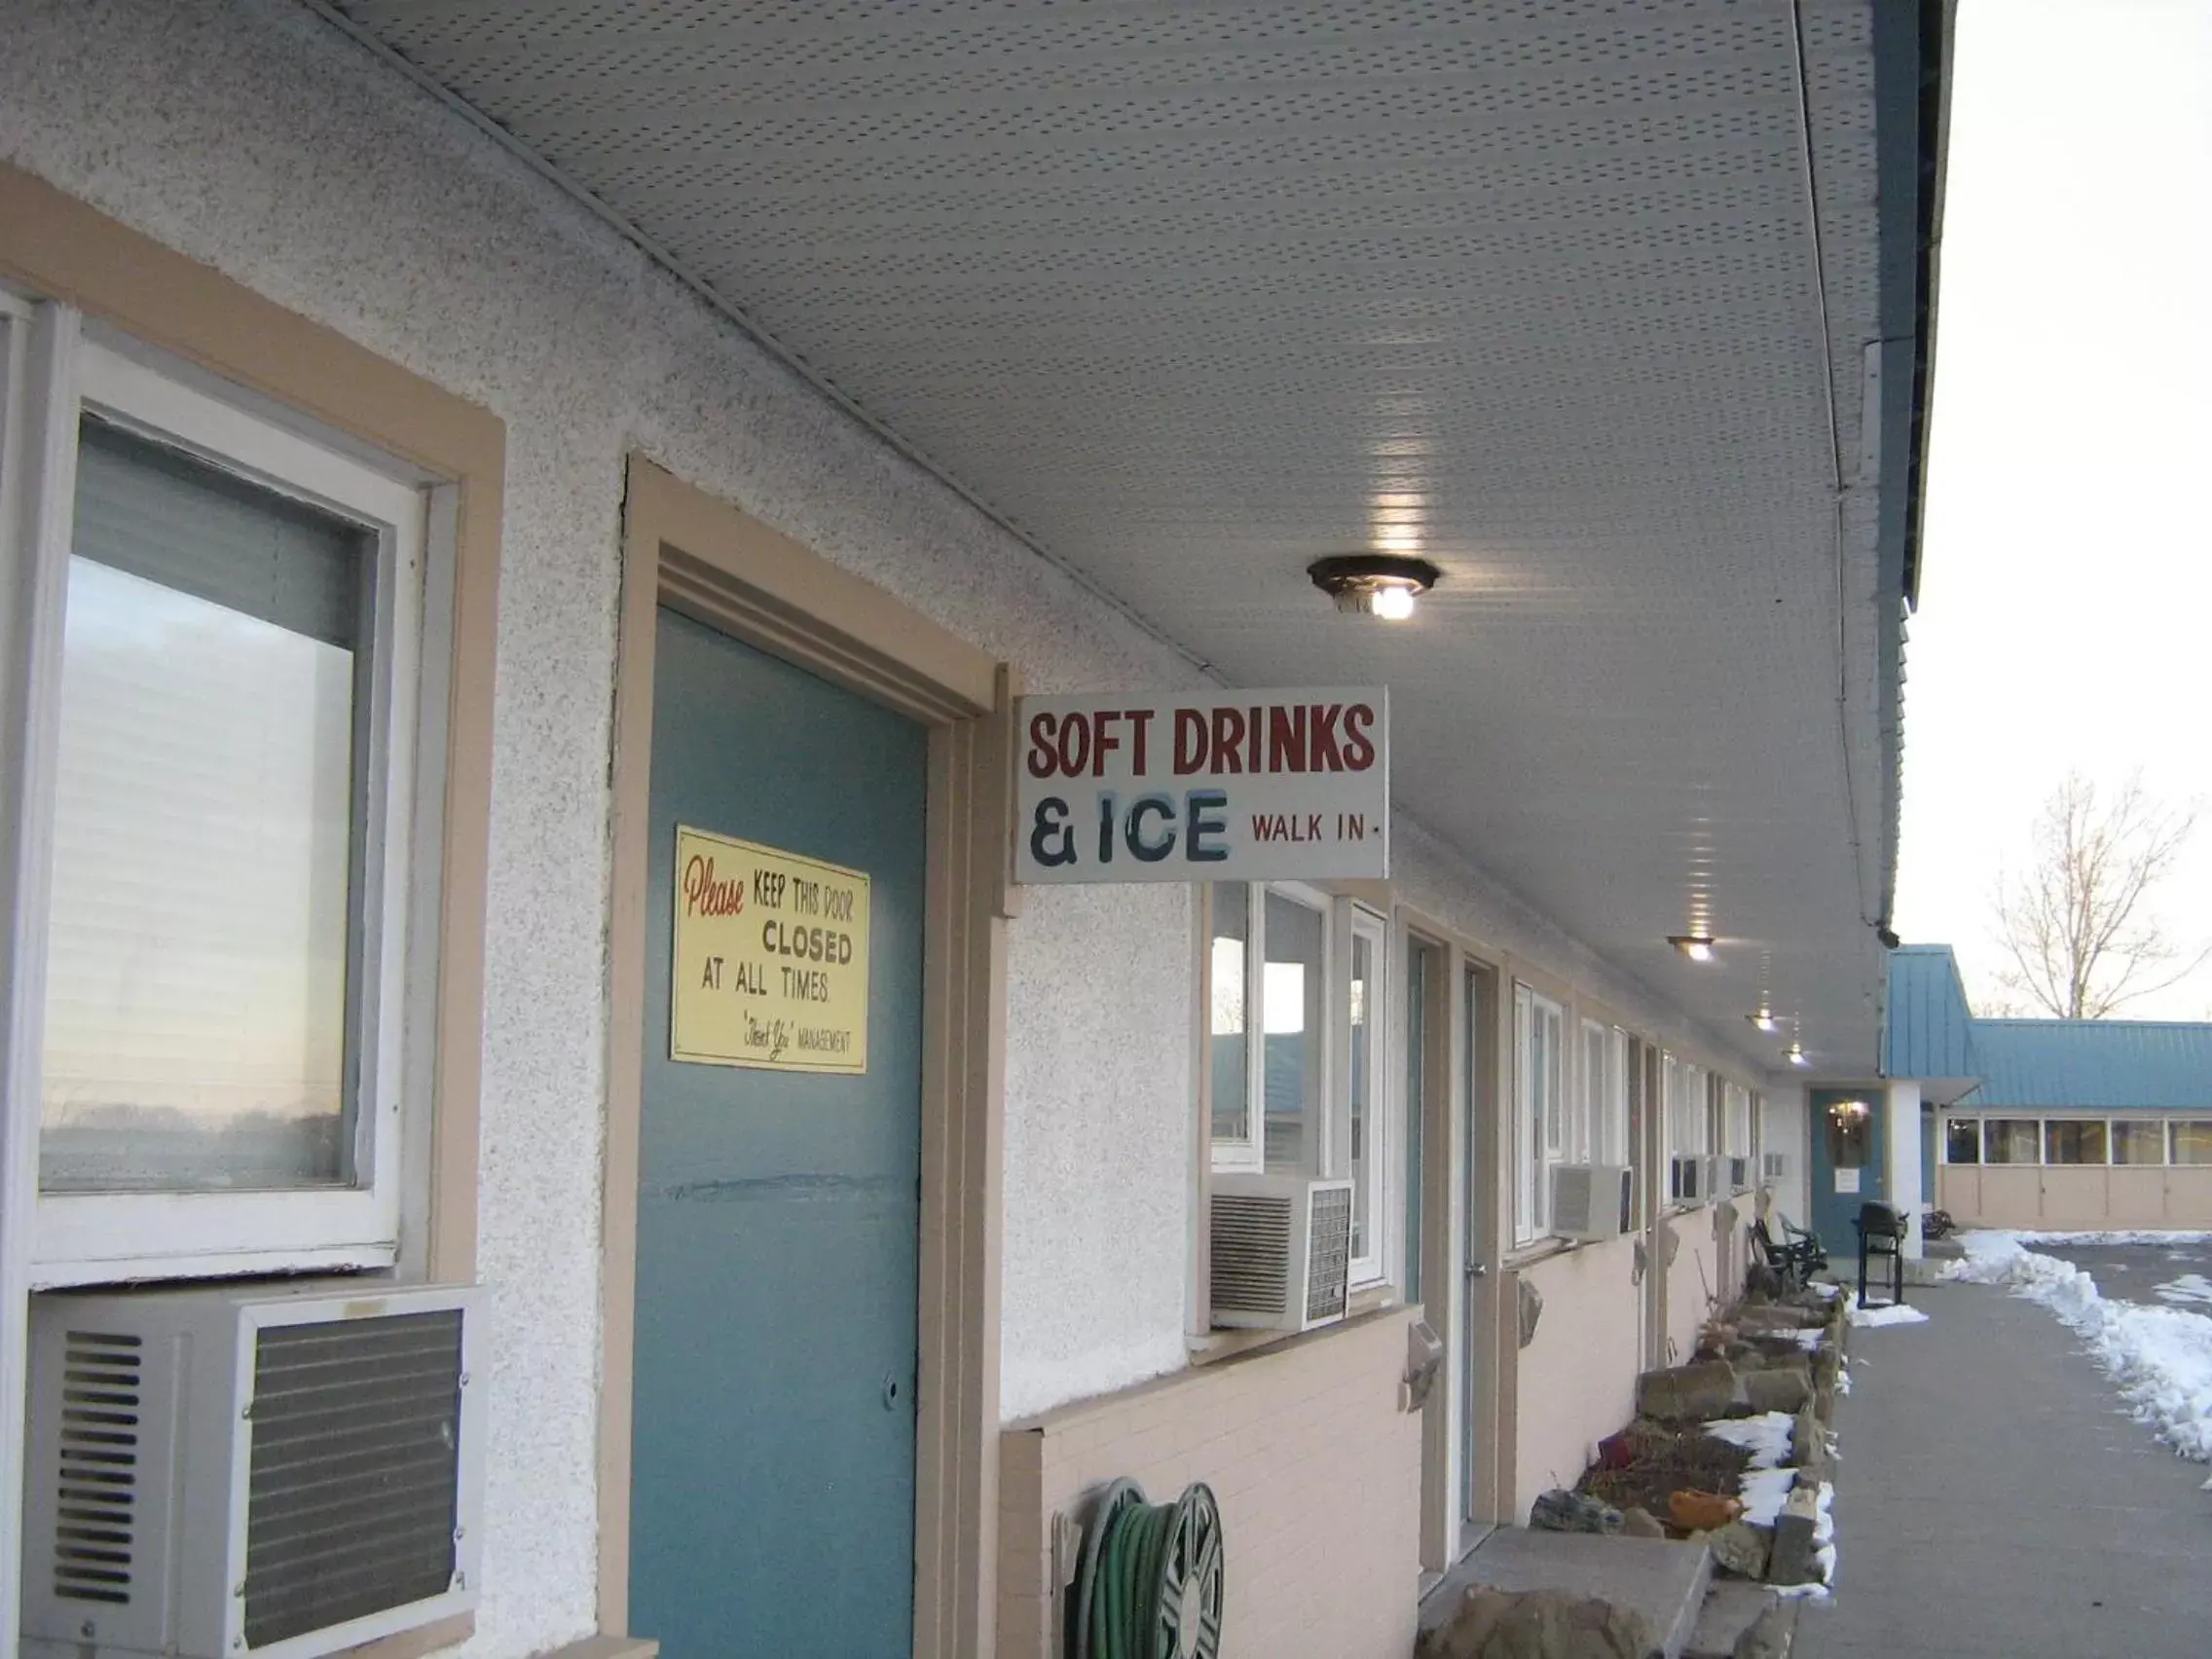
x=1343 y=921
x=1541 y=1132
x=392 y=932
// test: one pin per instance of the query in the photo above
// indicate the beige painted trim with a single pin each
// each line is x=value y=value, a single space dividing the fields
x=683 y=549
x=57 y=247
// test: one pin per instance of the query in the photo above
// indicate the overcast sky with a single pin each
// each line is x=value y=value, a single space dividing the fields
x=2066 y=598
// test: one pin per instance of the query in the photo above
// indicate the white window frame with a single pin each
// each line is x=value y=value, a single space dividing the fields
x=83 y=1238
x=1330 y=1137
x=1736 y=1119
x=1601 y=1127
x=1539 y=1108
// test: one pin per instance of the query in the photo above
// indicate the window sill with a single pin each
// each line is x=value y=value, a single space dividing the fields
x=1212 y=1346
x=447 y=1634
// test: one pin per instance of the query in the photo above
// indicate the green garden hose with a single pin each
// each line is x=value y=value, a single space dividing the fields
x=1149 y=1585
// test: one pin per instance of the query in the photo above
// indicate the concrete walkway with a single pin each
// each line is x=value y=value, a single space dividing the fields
x=1994 y=1502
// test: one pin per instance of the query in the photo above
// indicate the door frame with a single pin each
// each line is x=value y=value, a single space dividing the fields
x=683 y=549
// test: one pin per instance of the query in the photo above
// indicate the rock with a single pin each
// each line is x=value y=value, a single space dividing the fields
x=1780 y=1389
x=1744 y=1356
x=1823 y=1401
x=1739 y=1547
x=1808 y=1441
x=1771 y=1318
x=1791 y=1560
x=1688 y=1393
x=1768 y=1636
x=1638 y=1521
x=1538 y=1624
x=1562 y=1511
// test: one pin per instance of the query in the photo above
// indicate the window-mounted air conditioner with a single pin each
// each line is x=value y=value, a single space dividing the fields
x=1281 y=1251
x=230 y=1472
x=1593 y=1202
x=1689 y=1178
x=1774 y=1166
x=1739 y=1173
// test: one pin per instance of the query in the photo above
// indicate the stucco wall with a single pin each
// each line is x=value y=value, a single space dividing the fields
x=1691 y=1282
x=1577 y=1382
x=253 y=137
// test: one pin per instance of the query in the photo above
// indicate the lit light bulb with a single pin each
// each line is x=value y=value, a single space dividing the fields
x=1797 y=1056
x=1393 y=604
x=1765 y=1022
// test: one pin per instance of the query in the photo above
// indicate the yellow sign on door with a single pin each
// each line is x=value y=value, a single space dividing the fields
x=770 y=958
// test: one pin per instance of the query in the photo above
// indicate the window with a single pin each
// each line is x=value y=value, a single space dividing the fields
x=1736 y=1125
x=1605 y=1094
x=1962 y=1140
x=2136 y=1141
x=2191 y=1141
x=1296 y=1004
x=1540 y=1132
x=2010 y=1140
x=2074 y=1140
x=227 y=913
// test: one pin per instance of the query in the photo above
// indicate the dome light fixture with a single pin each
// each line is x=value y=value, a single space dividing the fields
x=1698 y=948
x=1373 y=584
x=1796 y=1054
x=1764 y=1020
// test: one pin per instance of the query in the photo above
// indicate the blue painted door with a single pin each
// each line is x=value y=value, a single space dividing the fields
x=773 y=1497
x=1848 y=1162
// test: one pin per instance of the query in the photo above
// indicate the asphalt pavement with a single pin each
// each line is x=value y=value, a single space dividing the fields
x=1994 y=1500
x=2169 y=1276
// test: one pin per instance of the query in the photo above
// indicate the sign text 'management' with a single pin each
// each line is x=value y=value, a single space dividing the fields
x=1240 y=785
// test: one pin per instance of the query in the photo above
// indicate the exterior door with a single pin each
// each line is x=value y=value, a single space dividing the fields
x=772 y=1497
x=1848 y=1161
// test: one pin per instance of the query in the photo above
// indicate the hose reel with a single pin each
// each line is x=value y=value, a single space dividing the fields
x=1148 y=1584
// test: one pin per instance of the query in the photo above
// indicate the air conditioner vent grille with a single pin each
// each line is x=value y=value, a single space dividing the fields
x=95 y=1518
x=1328 y=1266
x=1251 y=1252
x=350 y=1508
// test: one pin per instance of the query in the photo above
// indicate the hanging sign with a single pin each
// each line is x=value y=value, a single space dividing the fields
x=1235 y=786
x=770 y=958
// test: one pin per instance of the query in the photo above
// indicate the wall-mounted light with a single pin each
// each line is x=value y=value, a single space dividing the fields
x=1764 y=1020
x=1373 y=584
x=1796 y=1054
x=1698 y=948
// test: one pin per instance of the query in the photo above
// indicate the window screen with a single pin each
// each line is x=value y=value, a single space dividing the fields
x=200 y=934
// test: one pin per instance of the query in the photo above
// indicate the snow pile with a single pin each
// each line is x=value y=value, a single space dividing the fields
x=2136 y=1237
x=1863 y=1314
x=2161 y=1357
x=1766 y=1437
x=1809 y=1338
x=1765 y=1487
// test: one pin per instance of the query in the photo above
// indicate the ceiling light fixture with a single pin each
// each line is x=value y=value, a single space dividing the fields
x=1373 y=584
x=1796 y=1054
x=1698 y=948
x=1764 y=1020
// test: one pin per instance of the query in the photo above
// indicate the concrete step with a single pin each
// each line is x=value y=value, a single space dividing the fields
x=1663 y=1580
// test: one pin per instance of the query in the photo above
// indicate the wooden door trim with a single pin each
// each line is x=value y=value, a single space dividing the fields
x=682 y=548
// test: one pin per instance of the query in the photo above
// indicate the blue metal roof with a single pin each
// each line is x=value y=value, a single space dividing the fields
x=2107 y=1064
x=1931 y=1028
x=2102 y=1065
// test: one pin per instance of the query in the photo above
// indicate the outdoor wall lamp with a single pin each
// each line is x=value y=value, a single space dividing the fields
x=1373 y=584
x=1698 y=948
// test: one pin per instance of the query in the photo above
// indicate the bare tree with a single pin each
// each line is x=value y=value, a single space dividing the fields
x=2080 y=928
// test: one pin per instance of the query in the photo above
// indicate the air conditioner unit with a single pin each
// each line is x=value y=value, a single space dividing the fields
x=1593 y=1202
x=1774 y=1166
x=1689 y=1178
x=1281 y=1251
x=1738 y=1174
x=234 y=1472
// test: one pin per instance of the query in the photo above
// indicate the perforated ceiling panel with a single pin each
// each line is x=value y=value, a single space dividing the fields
x=1190 y=294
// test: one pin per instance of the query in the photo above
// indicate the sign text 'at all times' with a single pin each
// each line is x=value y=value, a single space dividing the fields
x=1238 y=786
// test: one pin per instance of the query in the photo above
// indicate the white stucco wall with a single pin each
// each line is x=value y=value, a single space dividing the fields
x=1786 y=1128
x=255 y=138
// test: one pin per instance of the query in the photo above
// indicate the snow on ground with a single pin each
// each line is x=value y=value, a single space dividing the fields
x=2139 y=1237
x=1765 y=1487
x=2189 y=1287
x=2161 y=1357
x=1865 y=1314
x=1766 y=1437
